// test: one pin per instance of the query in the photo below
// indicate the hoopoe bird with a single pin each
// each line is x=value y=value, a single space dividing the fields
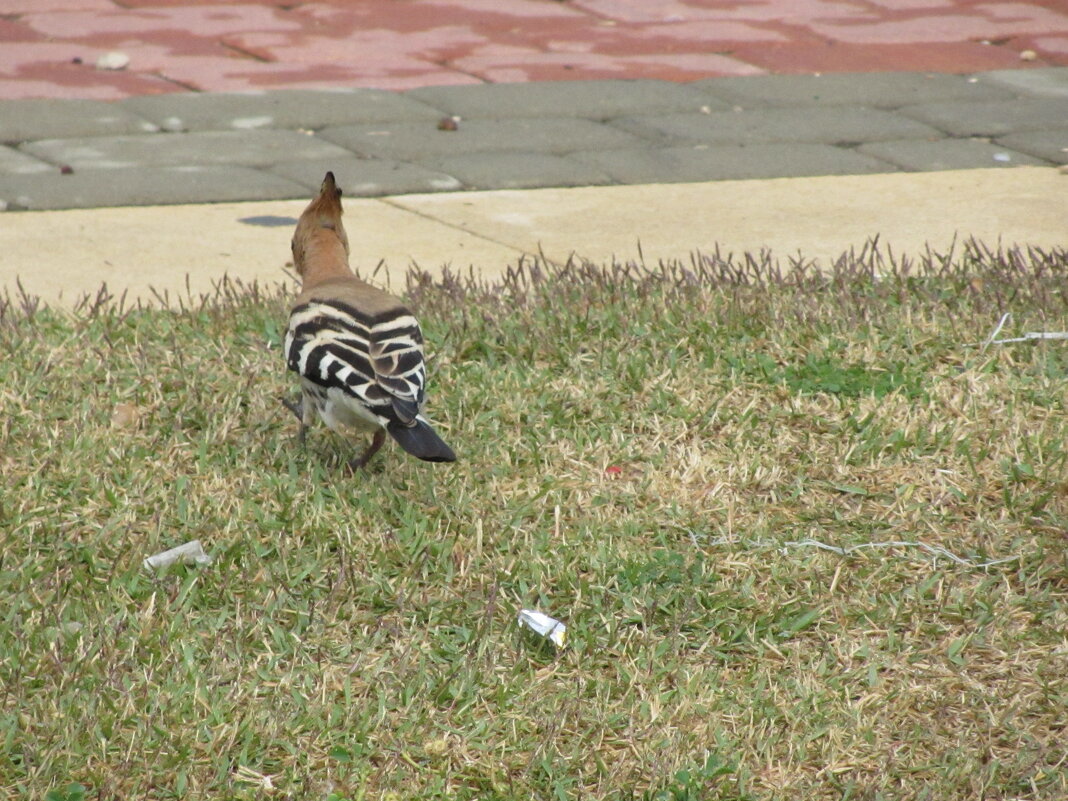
x=358 y=350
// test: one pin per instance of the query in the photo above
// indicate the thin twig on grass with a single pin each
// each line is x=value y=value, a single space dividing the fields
x=1029 y=336
x=997 y=330
x=935 y=550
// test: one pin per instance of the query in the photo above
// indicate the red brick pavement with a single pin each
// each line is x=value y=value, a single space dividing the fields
x=49 y=48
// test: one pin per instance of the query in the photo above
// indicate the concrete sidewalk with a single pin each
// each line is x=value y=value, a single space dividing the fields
x=61 y=255
x=626 y=121
x=197 y=148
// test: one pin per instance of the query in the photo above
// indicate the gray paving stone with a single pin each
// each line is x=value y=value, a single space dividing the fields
x=722 y=162
x=368 y=177
x=993 y=119
x=1047 y=81
x=596 y=100
x=144 y=187
x=523 y=135
x=248 y=148
x=946 y=154
x=414 y=141
x=520 y=171
x=830 y=125
x=22 y=120
x=12 y=162
x=1050 y=145
x=285 y=108
x=877 y=90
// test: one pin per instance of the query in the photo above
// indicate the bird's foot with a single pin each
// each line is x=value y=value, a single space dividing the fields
x=361 y=461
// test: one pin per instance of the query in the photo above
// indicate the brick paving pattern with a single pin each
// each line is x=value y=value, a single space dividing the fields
x=49 y=48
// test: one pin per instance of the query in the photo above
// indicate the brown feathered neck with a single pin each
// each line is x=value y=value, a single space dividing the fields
x=320 y=244
x=324 y=257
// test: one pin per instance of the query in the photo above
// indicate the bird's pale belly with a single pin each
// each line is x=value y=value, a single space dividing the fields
x=340 y=410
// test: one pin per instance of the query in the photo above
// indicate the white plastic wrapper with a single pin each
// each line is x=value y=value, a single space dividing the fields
x=192 y=553
x=114 y=60
x=548 y=627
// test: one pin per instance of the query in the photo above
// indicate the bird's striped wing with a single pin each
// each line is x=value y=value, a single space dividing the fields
x=396 y=351
x=378 y=358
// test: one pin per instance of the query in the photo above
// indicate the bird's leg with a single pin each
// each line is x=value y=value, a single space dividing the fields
x=297 y=407
x=361 y=461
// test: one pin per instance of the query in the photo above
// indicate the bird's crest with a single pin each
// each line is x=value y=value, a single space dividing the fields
x=325 y=210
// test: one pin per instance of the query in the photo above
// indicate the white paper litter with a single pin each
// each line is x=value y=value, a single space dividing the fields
x=247 y=775
x=548 y=627
x=114 y=60
x=191 y=553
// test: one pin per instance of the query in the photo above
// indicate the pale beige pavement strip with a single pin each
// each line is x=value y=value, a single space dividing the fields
x=61 y=255
x=64 y=254
x=818 y=217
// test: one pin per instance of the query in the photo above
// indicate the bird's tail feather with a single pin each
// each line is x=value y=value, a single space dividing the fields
x=422 y=441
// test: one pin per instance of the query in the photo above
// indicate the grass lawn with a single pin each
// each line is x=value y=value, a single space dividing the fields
x=680 y=462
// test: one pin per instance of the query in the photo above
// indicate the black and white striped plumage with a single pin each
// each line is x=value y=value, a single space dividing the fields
x=357 y=349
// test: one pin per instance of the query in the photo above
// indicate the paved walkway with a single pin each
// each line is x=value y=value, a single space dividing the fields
x=50 y=47
x=446 y=96
x=512 y=94
x=199 y=147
